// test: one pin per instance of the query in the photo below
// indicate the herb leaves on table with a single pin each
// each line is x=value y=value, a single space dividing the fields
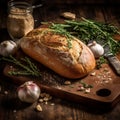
x=24 y=66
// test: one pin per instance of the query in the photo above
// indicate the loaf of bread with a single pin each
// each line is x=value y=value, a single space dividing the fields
x=52 y=50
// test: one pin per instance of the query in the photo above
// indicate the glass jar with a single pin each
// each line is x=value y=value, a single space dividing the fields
x=20 y=20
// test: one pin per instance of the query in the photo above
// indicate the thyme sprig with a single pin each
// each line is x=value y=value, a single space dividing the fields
x=25 y=65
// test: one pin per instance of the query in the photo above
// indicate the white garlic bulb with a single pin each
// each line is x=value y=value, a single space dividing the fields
x=96 y=48
x=29 y=92
x=7 y=47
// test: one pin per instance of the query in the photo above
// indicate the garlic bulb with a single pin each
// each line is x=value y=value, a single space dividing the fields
x=96 y=48
x=7 y=47
x=29 y=92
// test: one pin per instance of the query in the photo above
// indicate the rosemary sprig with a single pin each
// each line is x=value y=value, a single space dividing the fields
x=25 y=65
x=59 y=28
x=89 y=30
x=31 y=65
x=19 y=73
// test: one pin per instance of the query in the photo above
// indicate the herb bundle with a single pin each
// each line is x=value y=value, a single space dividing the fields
x=24 y=66
x=88 y=30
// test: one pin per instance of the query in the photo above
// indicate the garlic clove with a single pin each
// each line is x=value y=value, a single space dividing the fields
x=68 y=15
x=96 y=49
x=29 y=92
x=8 y=47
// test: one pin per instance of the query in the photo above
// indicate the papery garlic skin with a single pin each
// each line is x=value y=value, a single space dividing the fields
x=7 y=48
x=29 y=92
x=96 y=49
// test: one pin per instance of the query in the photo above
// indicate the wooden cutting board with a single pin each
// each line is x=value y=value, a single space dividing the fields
x=103 y=85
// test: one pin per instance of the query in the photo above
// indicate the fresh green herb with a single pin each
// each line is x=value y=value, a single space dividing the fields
x=59 y=28
x=86 y=85
x=90 y=86
x=100 y=61
x=88 y=30
x=83 y=84
x=25 y=65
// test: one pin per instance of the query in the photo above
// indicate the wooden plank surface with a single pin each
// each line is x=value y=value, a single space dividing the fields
x=12 y=109
x=104 y=91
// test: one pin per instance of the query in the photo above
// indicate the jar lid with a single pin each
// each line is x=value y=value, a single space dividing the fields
x=21 y=7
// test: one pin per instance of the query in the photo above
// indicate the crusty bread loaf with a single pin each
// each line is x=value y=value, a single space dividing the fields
x=52 y=50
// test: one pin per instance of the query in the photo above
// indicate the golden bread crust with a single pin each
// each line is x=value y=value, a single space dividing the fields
x=52 y=50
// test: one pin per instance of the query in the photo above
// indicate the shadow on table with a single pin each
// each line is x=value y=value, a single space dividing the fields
x=14 y=104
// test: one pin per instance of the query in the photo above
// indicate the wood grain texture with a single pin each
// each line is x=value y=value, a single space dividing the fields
x=104 y=93
x=83 y=1
x=12 y=109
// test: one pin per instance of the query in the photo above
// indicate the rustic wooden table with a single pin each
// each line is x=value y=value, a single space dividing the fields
x=12 y=109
